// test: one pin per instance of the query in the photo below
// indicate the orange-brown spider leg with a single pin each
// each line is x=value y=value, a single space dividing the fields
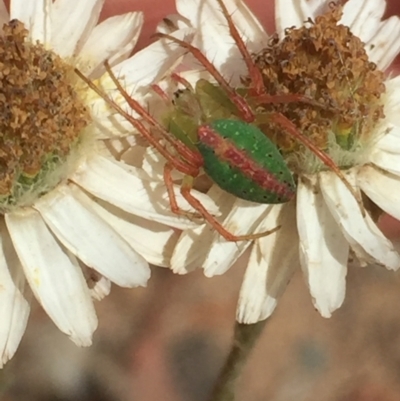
x=293 y=131
x=254 y=73
x=188 y=161
x=168 y=167
x=186 y=188
x=161 y=93
x=258 y=92
x=177 y=78
x=286 y=98
x=241 y=104
x=192 y=157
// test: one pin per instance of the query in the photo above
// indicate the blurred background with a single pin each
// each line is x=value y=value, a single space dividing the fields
x=168 y=342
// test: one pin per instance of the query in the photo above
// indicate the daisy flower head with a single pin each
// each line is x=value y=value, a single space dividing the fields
x=74 y=219
x=319 y=91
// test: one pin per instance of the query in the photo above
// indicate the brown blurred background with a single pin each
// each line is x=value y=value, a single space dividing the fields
x=167 y=343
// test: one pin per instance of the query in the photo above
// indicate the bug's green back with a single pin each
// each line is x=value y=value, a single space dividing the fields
x=259 y=149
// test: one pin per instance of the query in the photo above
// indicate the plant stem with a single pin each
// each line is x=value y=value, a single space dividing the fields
x=245 y=337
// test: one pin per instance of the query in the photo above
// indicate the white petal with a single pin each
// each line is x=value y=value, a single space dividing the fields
x=204 y=247
x=324 y=250
x=120 y=147
x=270 y=267
x=4 y=17
x=289 y=13
x=193 y=246
x=214 y=39
x=150 y=64
x=109 y=124
x=392 y=100
x=390 y=142
x=386 y=160
x=107 y=180
x=153 y=164
x=68 y=213
x=14 y=303
x=53 y=275
x=112 y=40
x=200 y=12
x=101 y=289
x=317 y=7
x=99 y=286
x=244 y=218
x=250 y=28
x=136 y=73
x=172 y=23
x=383 y=48
x=154 y=241
x=36 y=17
x=363 y=17
x=73 y=22
x=383 y=188
x=364 y=237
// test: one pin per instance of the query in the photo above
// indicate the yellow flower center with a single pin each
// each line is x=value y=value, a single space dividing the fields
x=41 y=118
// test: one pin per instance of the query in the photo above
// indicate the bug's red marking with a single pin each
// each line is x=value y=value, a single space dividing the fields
x=238 y=158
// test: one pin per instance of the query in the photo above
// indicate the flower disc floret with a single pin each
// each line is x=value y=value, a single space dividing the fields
x=41 y=121
x=324 y=61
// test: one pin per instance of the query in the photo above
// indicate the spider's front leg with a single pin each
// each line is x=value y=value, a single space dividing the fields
x=186 y=189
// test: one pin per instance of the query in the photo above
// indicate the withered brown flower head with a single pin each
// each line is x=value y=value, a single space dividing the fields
x=324 y=61
x=41 y=116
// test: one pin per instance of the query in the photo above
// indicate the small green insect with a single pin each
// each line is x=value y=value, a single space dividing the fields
x=220 y=138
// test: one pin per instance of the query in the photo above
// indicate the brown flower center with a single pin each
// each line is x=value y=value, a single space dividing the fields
x=325 y=62
x=41 y=117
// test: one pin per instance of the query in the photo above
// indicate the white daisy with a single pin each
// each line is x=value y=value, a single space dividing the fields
x=324 y=222
x=75 y=219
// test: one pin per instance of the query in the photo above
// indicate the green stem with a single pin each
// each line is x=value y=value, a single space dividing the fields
x=245 y=337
